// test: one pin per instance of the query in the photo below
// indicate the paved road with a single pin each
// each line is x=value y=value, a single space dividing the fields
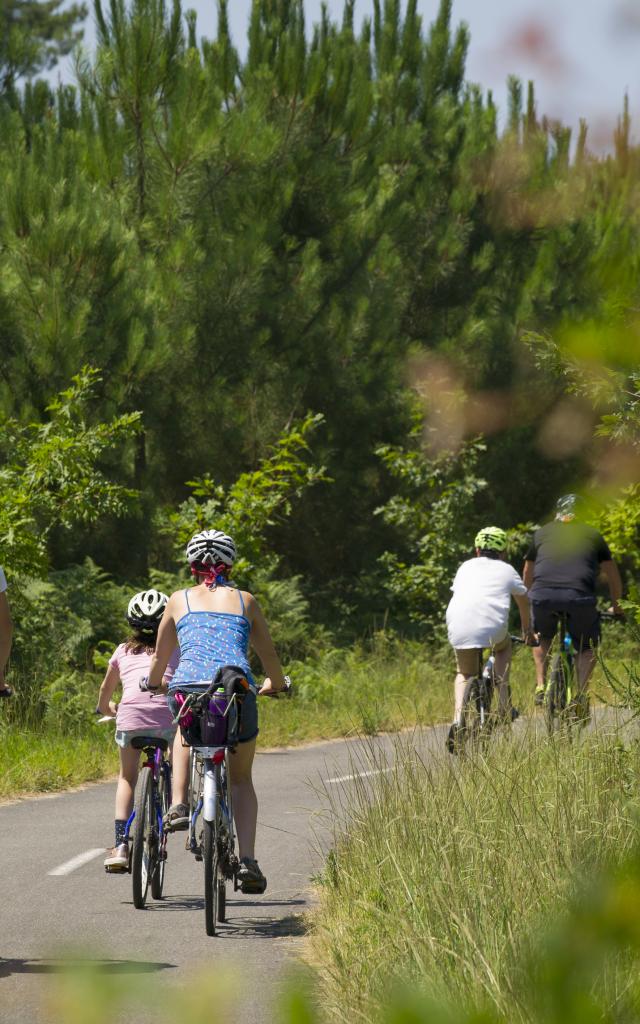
x=45 y=915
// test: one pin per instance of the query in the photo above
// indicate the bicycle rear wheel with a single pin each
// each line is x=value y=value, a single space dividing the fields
x=144 y=853
x=469 y=718
x=162 y=804
x=555 y=699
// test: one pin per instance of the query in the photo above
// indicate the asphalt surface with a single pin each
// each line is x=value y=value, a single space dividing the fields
x=88 y=915
x=83 y=913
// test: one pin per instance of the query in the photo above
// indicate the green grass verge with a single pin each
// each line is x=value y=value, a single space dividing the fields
x=447 y=872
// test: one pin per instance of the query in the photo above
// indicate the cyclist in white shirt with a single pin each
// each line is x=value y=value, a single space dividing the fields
x=6 y=634
x=478 y=618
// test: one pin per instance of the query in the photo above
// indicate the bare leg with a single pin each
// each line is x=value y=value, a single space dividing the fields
x=461 y=683
x=502 y=666
x=129 y=760
x=541 y=661
x=180 y=779
x=245 y=801
x=585 y=663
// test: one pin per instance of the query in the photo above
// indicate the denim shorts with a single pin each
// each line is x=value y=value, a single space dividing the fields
x=124 y=736
x=248 y=716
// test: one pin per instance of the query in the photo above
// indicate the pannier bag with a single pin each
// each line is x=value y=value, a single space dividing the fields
x=219 y=723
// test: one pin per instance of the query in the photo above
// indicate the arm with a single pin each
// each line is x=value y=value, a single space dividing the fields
x=165 y=646
x=263 y=645
x=527 y=573
x=6 y=634
x=522 y=602
x=614 y=582
x=109 y=683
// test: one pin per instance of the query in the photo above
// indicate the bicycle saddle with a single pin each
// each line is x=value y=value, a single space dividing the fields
x=140 y=742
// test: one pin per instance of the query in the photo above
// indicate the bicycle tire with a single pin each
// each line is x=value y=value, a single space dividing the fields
x=163 y=804
x=555 y=700
x=225 y=844
x=469 y=717
x=144 y=849
x=211 y=863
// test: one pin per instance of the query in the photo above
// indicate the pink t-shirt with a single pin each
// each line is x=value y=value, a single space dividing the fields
x=137 y=709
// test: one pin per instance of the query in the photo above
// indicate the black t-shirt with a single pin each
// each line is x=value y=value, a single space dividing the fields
x=567 y=557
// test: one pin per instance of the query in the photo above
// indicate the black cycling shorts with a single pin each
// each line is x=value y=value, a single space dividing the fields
x=583 y=619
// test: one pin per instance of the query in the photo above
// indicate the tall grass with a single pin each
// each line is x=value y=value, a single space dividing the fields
x=446 y=869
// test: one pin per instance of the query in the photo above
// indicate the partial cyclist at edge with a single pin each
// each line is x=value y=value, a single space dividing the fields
x=6 y=635
x=561 y=571
x=213 y=622
x=478 y=618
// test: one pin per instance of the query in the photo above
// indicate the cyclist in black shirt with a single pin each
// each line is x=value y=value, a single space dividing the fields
x=561 y=570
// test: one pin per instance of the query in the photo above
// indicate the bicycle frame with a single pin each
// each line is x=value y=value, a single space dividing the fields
x=204 y=764
x=155 y=760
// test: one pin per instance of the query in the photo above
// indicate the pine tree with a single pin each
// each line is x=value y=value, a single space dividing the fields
x=34 y=34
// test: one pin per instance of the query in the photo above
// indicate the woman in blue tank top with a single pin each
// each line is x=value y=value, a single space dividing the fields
x=213 y=623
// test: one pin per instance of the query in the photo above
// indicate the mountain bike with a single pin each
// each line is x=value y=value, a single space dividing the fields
x=477 y=721
x=210 y=725
x=563 y=706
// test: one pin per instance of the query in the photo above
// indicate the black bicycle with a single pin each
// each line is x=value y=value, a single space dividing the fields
x=477 y=720
x=564 y=707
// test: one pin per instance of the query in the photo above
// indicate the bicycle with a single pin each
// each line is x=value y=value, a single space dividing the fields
x=562 y=705
x=476 y=718
x=213 y=716
x=145 y=833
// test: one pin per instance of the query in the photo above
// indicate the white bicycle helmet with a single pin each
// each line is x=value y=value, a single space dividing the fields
x=145 y=610
x=210 y=547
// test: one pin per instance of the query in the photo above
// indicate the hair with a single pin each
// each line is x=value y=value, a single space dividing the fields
x=139 y=644
x=201 y=572
x=486 y=553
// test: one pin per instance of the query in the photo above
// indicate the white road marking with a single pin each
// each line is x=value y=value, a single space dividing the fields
x=77 y=862
x=359 y=775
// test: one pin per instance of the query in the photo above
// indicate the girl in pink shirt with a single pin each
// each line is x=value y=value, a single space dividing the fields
x=138 y=713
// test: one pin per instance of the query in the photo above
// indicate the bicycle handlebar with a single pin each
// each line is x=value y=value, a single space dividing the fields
x=520 y=640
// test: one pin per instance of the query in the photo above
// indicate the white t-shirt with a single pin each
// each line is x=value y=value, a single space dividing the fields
x=3 y=580
x=478 y=612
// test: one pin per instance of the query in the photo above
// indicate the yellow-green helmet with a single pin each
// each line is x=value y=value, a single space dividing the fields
x=491 y=538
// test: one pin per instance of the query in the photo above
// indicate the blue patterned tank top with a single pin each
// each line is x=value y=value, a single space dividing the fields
x=209 y=641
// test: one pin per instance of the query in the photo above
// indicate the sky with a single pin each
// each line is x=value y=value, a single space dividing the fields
x=582 y=54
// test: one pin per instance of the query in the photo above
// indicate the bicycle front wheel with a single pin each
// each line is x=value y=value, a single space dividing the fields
x=143 y=855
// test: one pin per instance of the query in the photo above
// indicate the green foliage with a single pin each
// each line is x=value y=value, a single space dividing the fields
x=60 y=622
x=255 y=502
x=34 y=34
x=52 y=475
x=432 y=512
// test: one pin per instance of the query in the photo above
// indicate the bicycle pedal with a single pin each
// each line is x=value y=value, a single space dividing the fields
x=114 y=870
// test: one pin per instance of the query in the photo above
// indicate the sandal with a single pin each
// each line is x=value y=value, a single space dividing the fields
x=177 y=818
